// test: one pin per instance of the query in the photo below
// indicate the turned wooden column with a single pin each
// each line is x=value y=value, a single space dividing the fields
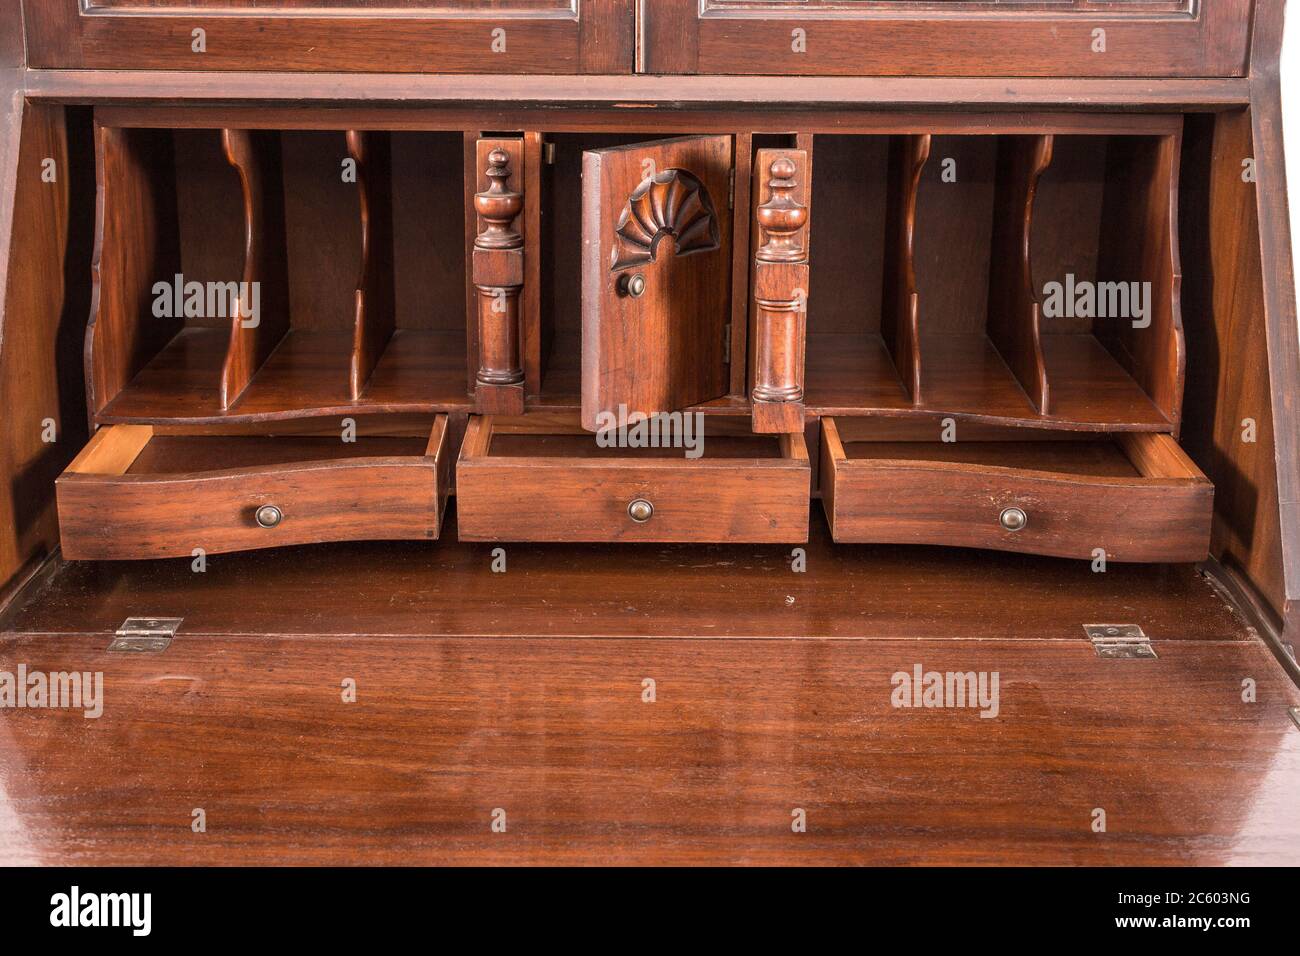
x=780 y=293
x=498 y=280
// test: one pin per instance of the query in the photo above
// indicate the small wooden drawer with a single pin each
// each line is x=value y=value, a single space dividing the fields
x=132 y=493
x=544 y=479
x=1137 y=496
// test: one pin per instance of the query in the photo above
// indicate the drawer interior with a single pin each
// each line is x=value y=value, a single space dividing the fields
x=142 y=450
x=712 y=437
x=1084 y=457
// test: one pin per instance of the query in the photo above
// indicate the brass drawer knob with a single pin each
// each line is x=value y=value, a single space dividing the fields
x=268 y=516
x=633 y=285
x=640 y=511
x=1013 y=519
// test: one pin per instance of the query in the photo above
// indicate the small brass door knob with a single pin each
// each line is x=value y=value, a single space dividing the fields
x=640 y=511
x=633 y=285
x=268 y=516
x=1013 y=519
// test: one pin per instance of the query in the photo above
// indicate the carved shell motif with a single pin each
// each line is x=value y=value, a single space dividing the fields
x=673 y=203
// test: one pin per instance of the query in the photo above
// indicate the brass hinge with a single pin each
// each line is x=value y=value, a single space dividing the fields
x=726 y=343
x=146 y=634
x=1120 y=641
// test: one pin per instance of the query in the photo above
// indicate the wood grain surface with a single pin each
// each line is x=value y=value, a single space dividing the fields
x=445 y=732
x=617 y=590
x=660 y=210
x=204 y=492
x=588 y=36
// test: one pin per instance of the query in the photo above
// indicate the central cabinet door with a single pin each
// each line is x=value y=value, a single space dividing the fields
x=656 y=287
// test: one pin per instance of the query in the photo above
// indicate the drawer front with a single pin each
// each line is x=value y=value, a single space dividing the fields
x=426 y=36
x=571 y=499
x=936 y=503
x=128 y=516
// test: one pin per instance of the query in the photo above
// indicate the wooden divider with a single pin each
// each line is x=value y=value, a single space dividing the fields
x=1014 y=315
x=136 y=245
x=900 y=319
x=1141 y=216
x=375 y=310
x=256 y=157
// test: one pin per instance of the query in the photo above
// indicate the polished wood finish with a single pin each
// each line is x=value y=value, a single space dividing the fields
x=780 y=289
x=135 y=245
x=433 y=36
x=925 y=324
x=1140 y=213
x=584 y=590
x=660 y=211
x=1014 y=322
x=1141 y=499
x=532 y=490
x=888 y=39
x=900 y=312
x=375 y=314
x=498 y=267
x=1281 y=331
x=556 y=735
x=255 y=335
x=45 y=236
x=131 y=494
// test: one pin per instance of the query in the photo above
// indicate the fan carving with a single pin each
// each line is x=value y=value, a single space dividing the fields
x=671 y=203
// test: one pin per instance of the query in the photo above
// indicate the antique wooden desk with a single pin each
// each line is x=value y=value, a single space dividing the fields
x=987 y=308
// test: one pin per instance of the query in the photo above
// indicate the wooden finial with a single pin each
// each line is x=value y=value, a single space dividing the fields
x=782 y=216
x=498 y=206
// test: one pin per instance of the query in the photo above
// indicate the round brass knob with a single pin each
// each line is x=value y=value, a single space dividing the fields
x=1013 y=519
x=268 y=516
x=633 y=285
x=640 y=511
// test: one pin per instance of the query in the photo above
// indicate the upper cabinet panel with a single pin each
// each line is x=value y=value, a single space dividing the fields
x=382 y=36
x=1157 y=38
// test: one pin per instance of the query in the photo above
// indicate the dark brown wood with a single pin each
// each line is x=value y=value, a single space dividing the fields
x=923 y=393
x=45 y=229
x=124 y=497
x=453 y=728
x=660 y=211
x=584 y=590
x=375 y=316
x=485 y=95
x=1140 y=216
x=1279 y=299
x=900 y=313
x=1014 y=321
x=1142 y=501
x=850 y=374
x=585 y=494
x=434 y=36
x=135 y=245
x=255 y=335
x=498 y=264
x=887 y=39
x=780 y=289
